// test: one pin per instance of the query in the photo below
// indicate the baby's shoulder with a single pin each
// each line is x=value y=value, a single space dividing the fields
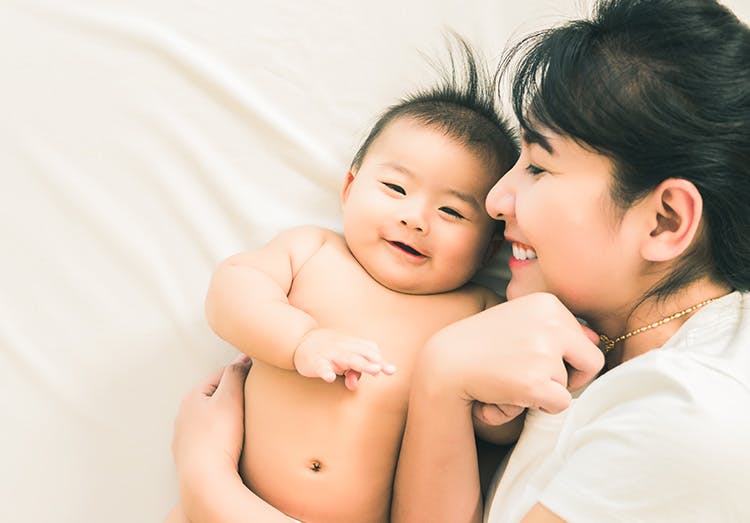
x=481 y=296
x=309 y=233
x=305 y=242
x=309 y=237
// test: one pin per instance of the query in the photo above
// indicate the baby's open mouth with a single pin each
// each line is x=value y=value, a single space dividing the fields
x=406 y=248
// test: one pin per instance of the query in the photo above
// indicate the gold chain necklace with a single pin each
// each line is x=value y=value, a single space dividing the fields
x=609 y=343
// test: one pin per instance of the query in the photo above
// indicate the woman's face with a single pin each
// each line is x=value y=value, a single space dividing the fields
x=568 y=236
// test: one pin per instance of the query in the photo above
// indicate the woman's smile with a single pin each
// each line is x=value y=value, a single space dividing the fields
x=523 y=252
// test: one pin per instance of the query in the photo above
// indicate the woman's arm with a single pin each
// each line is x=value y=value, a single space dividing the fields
x=527 y=352
x=206 y=445
x=437 y=477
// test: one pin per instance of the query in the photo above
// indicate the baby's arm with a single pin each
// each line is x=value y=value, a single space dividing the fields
x=247 y=305
x=247 y=302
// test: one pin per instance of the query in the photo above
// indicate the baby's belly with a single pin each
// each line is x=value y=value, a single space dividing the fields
x=319 y=452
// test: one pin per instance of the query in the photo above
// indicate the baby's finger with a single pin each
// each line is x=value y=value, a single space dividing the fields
x=359 y=363
x=371 y=352
x=368 y=347
x=368 y=350
x=351 y=379
x=324 y=369
x=389 y=368
x=377 y=364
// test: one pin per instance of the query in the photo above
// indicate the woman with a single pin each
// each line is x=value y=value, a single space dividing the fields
x=629 y=205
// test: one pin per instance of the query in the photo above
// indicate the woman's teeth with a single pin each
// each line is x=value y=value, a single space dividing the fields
x=523 y=253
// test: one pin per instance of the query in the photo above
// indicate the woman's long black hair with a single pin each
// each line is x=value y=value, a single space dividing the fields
x=661 y=87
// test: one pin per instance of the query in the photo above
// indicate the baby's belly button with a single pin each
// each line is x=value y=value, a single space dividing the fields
x=315 y=465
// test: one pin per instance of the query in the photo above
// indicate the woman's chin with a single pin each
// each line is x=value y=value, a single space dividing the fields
x=513 y=291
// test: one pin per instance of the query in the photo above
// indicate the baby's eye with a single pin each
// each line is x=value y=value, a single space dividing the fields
x=534 y=170
x=394 y=187
x=452 y=212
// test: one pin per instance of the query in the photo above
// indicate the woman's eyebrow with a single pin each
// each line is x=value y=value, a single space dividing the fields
x=531 y=136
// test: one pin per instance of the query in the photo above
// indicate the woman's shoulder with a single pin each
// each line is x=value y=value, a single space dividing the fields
x=709 y=355
x=680 y=426
x=690 y=456
x=684 y=398
x=703 y=373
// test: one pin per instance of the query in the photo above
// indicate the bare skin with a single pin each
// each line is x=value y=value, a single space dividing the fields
x=314 y=443
x=334 y=323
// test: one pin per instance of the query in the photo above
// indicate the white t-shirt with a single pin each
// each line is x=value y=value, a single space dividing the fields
x=662 y=437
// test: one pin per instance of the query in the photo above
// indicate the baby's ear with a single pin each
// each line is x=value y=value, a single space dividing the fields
x=675 y=208
x=348 y=180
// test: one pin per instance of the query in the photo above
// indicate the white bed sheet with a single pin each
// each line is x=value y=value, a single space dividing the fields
x=141 y=142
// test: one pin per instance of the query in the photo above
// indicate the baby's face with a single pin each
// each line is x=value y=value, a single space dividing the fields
x=414 y=214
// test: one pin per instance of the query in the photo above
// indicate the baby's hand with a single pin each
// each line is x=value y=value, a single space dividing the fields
x=326 y=353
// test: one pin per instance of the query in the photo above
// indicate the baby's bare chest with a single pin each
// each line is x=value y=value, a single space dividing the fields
x=334 y=289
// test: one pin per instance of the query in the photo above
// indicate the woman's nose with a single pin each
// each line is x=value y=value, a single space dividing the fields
x=501 y=200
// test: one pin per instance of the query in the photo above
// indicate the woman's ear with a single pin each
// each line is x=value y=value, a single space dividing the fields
x=348 y=180
x=675 y=209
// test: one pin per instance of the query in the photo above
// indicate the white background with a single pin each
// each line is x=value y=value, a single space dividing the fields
x=141 y=142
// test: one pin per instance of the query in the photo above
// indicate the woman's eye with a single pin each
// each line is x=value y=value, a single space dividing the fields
x=534 y=170
x=394 y=187
x=452 y=212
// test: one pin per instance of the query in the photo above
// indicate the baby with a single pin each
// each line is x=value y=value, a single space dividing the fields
x=334 y=321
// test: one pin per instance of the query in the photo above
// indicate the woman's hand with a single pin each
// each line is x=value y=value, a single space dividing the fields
x=528 y=352
x=207 y=442
x=208 y=437
x=209 y=424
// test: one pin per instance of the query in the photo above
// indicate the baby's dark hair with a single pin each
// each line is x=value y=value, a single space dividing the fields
x=662 y=88
x=463 y=106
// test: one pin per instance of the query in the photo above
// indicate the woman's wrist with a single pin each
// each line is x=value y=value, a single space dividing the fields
x=440 y=373
x=205 y=487
x=437 y=379
x=217 y=494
